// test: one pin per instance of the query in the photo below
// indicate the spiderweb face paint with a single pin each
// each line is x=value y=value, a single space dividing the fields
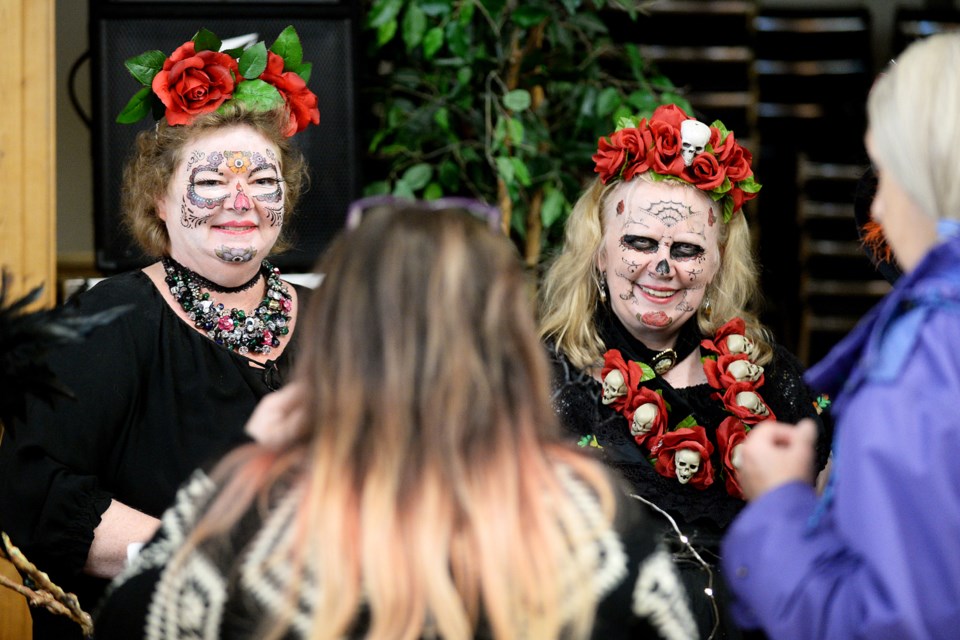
x=659 y=252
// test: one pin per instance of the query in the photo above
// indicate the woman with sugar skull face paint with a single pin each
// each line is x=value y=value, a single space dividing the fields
x=168 y=387
x=660 y=361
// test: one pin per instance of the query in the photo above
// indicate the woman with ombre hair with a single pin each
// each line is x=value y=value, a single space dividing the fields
x=416 y=483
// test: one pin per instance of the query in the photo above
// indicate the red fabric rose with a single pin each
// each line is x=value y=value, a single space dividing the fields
x=746 y=415
x=735 y=159
x=190 y=83
x=608 y=159
x=631 y=372
x=735 y=326
x=730 y=433
x=665 y=154
x=670 y=114
x=694 y=438
x=301 y=102
x=637 y=142
x=650 y=439
x=719 y=376
x=705 y=172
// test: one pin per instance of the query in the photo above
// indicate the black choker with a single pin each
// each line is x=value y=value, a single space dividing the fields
x=210 y=285
x=616 y=336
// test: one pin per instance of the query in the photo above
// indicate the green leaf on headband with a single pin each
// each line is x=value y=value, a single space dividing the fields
x=137 y=107
x=287 y=46
x=257 y=95
x=253 y=61
x=205 y=40
x=749 y=185
x=727 y=209
x=146 y=65
x=234 y=53
x=724 y=187
x=687 y=423
x=722 y=129
x=304 y=71
x=626 y=123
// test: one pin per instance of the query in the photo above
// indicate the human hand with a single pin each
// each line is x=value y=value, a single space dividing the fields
x=774 y=454
x=278 y=416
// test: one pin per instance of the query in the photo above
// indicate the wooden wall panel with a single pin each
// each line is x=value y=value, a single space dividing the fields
x=28 y=145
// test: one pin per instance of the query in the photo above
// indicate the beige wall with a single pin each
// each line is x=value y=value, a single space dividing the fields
x=27 y=135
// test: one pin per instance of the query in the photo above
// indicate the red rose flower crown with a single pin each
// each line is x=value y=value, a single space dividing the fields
x=673 y=146
x=198 y=78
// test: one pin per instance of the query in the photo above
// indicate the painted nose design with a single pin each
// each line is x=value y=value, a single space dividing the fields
x=241 y=203
x=663 y=268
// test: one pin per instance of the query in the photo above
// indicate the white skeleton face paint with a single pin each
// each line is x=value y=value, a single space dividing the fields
x=660 y=250
x=225 y=201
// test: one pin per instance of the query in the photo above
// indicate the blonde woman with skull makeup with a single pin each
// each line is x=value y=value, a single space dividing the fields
x=170 y=385
x=661 y=365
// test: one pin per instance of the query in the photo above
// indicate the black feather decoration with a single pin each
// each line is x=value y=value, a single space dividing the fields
x=26 y=338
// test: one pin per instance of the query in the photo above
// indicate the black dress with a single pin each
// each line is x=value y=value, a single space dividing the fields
x=702 y=515
x=227 y=589
x=154 y=400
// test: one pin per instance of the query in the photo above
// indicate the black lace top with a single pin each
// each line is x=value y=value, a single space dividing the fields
x=577 y=399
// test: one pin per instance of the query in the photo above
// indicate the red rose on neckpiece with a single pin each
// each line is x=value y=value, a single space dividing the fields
x=301 y=102
x=647 y=423
x=742 y=400
x=190 y=83
x=729 y=369
x=616 y=394
x=689 y=439
x=718 y=345
x=730 y=433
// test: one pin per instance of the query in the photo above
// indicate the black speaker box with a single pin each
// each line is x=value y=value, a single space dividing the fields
x=328 y=32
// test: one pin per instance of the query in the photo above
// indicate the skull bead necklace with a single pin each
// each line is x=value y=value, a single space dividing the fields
x=258 y=331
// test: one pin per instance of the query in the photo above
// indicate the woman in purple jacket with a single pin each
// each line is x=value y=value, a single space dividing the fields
x=878 y=555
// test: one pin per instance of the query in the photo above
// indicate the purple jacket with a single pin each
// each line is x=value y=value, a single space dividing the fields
x=878 y=556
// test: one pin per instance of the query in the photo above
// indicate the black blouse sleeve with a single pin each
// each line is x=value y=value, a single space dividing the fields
x=52 y=499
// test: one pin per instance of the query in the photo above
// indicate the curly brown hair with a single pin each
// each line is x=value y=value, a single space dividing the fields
x=148 y=172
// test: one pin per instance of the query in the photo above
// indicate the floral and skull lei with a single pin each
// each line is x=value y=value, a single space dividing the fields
x=684 y=451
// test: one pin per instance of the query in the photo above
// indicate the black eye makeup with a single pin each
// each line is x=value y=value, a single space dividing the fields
x=639 y=243
x=678 y=250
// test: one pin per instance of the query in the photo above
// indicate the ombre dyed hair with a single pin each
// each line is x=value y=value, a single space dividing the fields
x=569 y=291
x=429 y=455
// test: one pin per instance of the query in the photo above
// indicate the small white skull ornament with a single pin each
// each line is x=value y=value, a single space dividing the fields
x=614 y=386
x=743 y=370
x=694 y=136
x=687 y=462
x=737 y=343
x=643 y=418
x=750 y=400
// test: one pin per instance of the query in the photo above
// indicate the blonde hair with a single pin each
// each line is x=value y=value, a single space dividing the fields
x=148 y=172
x=914 y=126
x=569 y=291
x=429 y=454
